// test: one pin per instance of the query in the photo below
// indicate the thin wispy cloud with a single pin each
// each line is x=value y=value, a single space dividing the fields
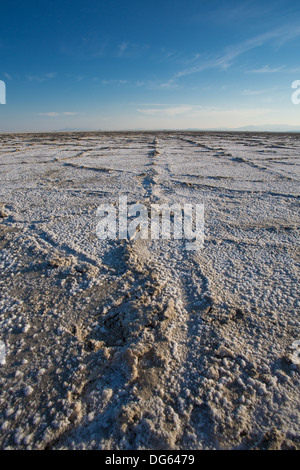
x=267 y=69
x=231 y=53
x=41 y=78
x=204 y=117
x=114 y=81
x=259 y=92
x=130 y=50
x=7 y=76
x=170 y=111
x=241 y=12
x=122 y=48
x=169 y=55
x=162 y=85
x=148 y=84
x=54 y=114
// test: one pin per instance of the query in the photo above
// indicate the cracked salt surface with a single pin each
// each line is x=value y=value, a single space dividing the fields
x=142 y=344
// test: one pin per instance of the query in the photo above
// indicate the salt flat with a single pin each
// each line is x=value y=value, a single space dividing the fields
x=141 y=344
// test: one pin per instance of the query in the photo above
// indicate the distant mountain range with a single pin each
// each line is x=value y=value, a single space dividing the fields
x=71 y=129
x=263 y=128
x=270 y=128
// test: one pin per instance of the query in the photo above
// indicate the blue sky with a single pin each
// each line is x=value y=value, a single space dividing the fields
x=114 y=65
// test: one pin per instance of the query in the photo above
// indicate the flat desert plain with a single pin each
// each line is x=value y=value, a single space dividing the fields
x=140 y=343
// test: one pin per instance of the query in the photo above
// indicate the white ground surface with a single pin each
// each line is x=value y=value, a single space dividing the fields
x=142 y=344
